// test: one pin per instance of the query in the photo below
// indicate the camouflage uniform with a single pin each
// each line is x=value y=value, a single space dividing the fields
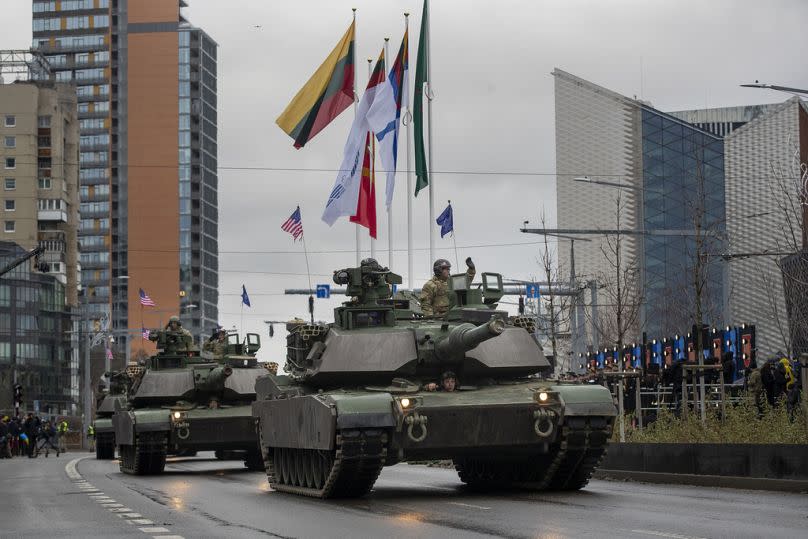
x=187 y=338
x=434 y=296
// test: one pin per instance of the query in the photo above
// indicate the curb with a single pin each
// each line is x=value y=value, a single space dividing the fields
x=721 y=481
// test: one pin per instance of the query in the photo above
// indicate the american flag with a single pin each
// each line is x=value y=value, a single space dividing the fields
x=146 y=334
x=293 y=225
x=146 y=300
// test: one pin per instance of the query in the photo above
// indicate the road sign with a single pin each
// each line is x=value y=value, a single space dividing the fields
x=323 y=291
x=532 y=290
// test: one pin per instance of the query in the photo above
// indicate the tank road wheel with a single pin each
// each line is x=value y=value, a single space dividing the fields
x=347 y=472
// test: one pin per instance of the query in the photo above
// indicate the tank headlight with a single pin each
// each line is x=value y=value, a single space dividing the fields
x=543 y=396
x=177 y=415
x=405 y=403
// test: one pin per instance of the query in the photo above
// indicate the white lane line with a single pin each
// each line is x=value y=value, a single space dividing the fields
x=130 y=515
x=667 y=534
x=168 y=537
x=141 y=521
x=97 y=495
x=71 y=471
x=111 y=505
x=120 y=510
x=468 y=505
x=154 y=530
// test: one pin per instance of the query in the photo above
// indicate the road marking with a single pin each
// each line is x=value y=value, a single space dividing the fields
x=667 y=534
x=468 y=505
x=111 y=505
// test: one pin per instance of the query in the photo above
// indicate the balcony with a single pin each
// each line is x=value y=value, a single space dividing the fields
x=52 y=215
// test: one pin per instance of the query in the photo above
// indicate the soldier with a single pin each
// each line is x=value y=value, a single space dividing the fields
x=448 y=382
x=218 y=345
x=435 y=293
x=175 y=325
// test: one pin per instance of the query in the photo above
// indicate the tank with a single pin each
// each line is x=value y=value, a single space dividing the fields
x=186 y=401
x=355 y=397
x=109 y=400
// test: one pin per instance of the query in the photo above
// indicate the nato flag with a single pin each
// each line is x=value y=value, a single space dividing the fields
x=245 y=299
x=445 y=221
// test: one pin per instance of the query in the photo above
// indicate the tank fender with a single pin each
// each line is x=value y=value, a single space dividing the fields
x=586 y=400
x=305 y=422
x=365 y=411
x=124 y=425
x=153 y=420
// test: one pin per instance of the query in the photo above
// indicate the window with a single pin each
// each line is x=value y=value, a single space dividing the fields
x=9 y=226
x=11 y=142
x=100 y=21
x=11 y=184
x=45 y=183
x=63 y=76
x=11 y=162
x=11 y=121
x=44 y=121
x=11 y=205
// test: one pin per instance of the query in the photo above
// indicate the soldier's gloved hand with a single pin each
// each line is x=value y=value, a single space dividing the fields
x=469 y=263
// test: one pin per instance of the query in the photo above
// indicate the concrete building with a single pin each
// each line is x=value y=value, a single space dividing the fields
x=146 y=84
x=39 y=199
x=657 y=180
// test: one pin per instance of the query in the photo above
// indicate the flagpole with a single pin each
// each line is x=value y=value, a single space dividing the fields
x=389 y=208
x=372 y=170
x=356 y=101
x=454 y=241
x=429 y=134
x=408 y=118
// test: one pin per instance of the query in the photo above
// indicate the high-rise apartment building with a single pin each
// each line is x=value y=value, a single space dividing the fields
x=146 y=85
x=39 y=201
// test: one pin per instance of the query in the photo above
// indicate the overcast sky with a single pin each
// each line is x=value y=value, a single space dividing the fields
x=493 y=114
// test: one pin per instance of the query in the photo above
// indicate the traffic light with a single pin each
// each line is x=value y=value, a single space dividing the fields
x=17 y=393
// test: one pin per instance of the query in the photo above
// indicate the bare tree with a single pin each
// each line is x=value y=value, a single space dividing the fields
x=555 y=318
x=619 y=313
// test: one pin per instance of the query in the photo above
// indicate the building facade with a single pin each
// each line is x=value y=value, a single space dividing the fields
x=146 y=85
x=655 y=184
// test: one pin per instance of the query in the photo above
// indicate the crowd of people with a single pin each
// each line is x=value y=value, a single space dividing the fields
x=32 y=436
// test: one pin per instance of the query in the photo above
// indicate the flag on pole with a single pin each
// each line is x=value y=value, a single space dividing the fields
x=366 y=206
x=385 y=113
x=145 y=332
x=421 y=172
x=293 y=225
x=326 y=94
x=344 y=195
x=146 y=300
x=245 y=299
x=446 y=221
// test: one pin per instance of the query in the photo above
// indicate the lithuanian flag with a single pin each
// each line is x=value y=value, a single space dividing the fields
x=327 y=93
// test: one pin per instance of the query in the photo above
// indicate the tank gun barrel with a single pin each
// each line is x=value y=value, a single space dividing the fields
x=215 y=378
x=464 y=337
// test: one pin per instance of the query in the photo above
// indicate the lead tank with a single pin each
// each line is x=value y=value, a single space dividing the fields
x=185 y=401
x=355 y=400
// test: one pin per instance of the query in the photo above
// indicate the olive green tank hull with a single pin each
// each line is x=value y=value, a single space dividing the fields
x=336 y=444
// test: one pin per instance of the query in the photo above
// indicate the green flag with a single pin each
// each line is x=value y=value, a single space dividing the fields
x=421 y=171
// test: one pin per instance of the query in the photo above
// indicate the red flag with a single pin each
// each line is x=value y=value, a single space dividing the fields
x=366 y=206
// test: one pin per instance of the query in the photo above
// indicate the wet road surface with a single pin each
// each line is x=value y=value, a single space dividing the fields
x=204 y=497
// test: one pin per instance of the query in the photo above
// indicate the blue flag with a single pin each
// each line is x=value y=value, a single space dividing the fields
x=245 y=299
x=445 y=221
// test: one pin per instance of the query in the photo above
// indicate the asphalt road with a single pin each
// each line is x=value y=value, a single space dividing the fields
x=203 y=497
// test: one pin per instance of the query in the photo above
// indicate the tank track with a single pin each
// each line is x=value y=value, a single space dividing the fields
x=105 y=446
x=147 y=456
x=568 y=465
x=349 y=471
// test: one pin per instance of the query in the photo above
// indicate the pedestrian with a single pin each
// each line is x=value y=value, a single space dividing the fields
x=29 y=431
x=5 y=450
x=47 y=435
x=14 y=430
x=767 y=379
x=434 y=297
x=754 y=387
x=91 y=436
x=61 y=430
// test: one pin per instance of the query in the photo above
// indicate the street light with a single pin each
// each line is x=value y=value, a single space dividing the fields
x=775 y=87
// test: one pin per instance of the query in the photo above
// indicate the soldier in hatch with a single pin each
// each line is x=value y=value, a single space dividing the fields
x=218 y=343
x=448 y=382
x=435 y=293
x=175 y=325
